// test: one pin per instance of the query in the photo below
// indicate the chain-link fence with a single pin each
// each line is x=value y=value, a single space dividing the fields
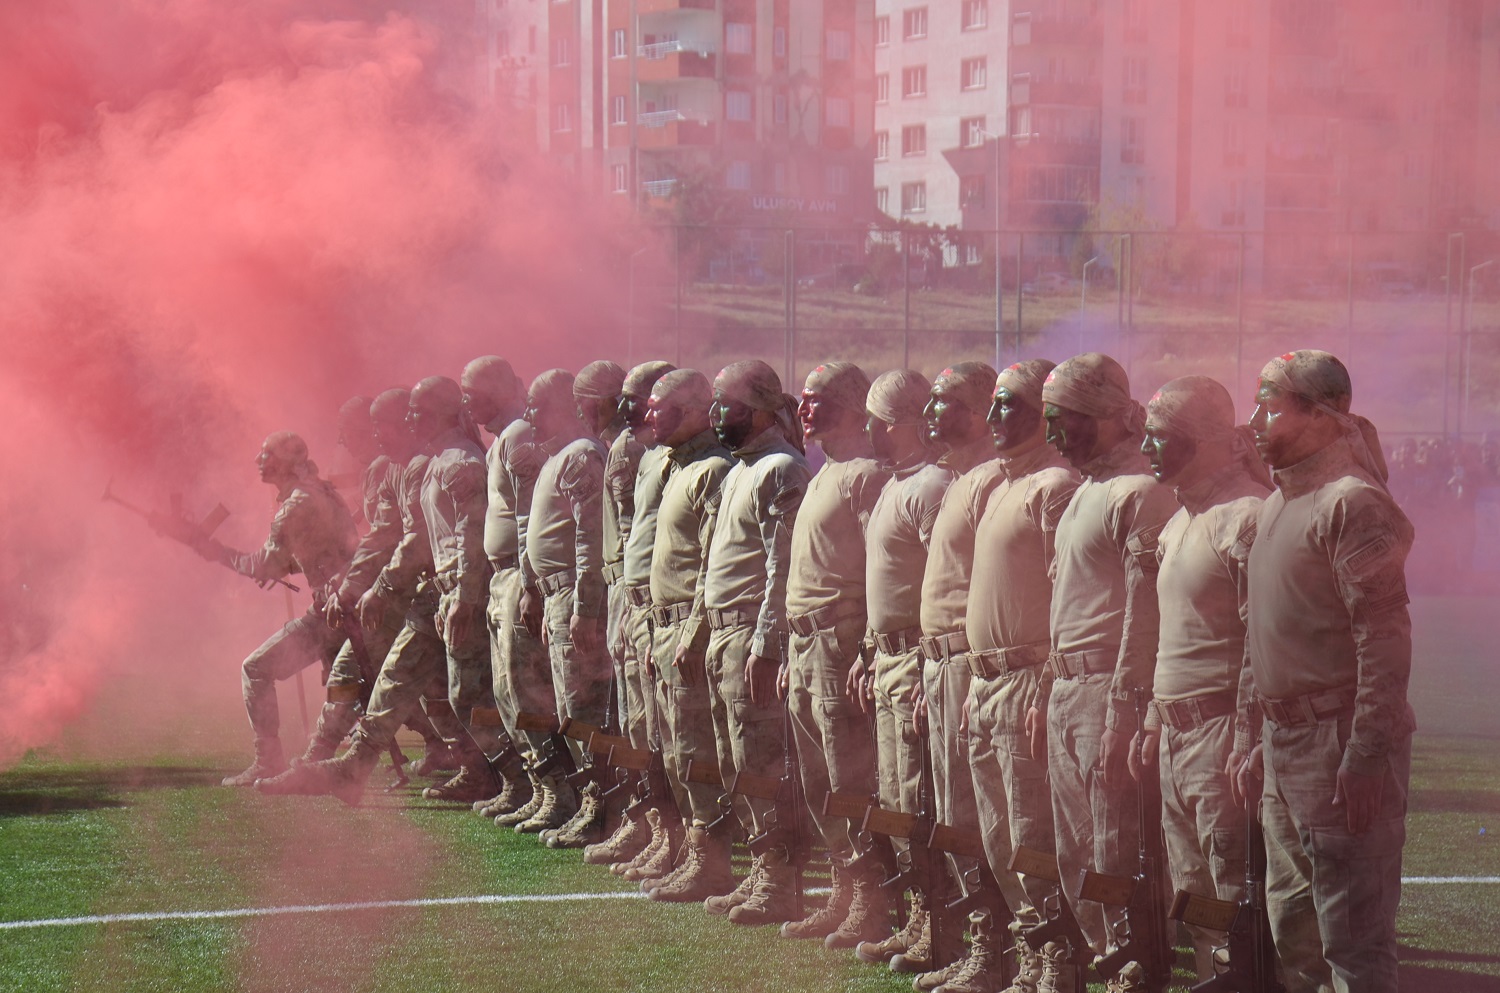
x=1416 y=316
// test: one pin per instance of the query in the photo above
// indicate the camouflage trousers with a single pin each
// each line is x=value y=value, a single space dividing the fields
x=349 y=686
x=1010 y=785
x=639 y=713
x=897 y=745
x=1098 y=826
x=1332 y=895
x=835 y=741
x=946 y=683
x=1204 y=826
x=620 y=647
x=413 y=679
x=300 y=643
x=520 y=671
x=685 y=719
x=580 y=679
x=748 y=736
x=378 y=640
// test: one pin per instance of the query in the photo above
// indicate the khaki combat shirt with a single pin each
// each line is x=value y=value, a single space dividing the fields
x=684 y=530
x=1104 y=585
x=453 y=503
x=828 y=541
x=1201 y=586
x=500 y=536
x=899 y=534
x=752 y=538
x=412 y=559
x=950 y=560
x=565 y=528
x=312 y=533
x=640 y=541
x=382 y=509
x=1010 y=596
x=1328 y=597
x=621 y=466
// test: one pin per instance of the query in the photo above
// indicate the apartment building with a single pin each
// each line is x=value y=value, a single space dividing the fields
x=766 y=101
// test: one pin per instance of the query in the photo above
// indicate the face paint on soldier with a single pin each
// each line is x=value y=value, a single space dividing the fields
x=1288 y=428
x=480 y=406
x=1074 y=435
x=1014 y=423
x=819 y=416
x=1170 y=454
x=881 y=443
x=732 y=420
x=634 y=409
x=948 y=420
x=666 y=422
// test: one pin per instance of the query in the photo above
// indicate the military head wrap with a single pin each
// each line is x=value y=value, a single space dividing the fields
x=555 y=386
x=288 y=448
x=1095 y=385
x=843 y=384
x=686 y=389
x=355 y=414
x=971 y=384
x=1024 y=380
x=438 y=395
x=390 y=407
x=1323 y=380
x=491 y=375
x=640 y=380
x=600 y=380
x=1195 y=407
x=752 y=383
x=899 y=397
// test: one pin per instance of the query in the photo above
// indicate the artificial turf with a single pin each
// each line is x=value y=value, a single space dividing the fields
x=98 y=837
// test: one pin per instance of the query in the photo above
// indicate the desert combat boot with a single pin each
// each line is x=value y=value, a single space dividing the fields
x=705 y=872
x=269 y=762
x=883 y=950
x=774 y=898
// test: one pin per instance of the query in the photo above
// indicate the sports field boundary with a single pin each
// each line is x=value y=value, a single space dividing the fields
x=480 y=899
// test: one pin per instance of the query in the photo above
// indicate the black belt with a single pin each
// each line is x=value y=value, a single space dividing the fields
x=1195 y=711
x=638 y=596
x=1310 y=708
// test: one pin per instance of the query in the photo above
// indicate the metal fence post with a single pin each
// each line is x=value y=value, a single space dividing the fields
x=789 y=292
x=906 y=286
x=677 y=291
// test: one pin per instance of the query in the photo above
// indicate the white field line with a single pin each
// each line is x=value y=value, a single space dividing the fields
x=454 y=901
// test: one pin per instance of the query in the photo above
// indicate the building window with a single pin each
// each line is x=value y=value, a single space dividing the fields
x=1135 y=21
x=976 y=15
x=739 y=39
x=617 y=43
x=1133 y=141
x=562 y=52
x=502 y=43
x=882 y=30
x=971 y=192
x=914 y=139
x=836 y=112
x=914 y=81
x=839 y=46
x=972 y=73
x=882 y=87
x=1234 y=144
x=617 y=110
x=971 y=132
x=1020 y=28
x=913 y=198
x=1236 y=87
x=562 y=117
x=778 y=42
x=778 y=108
x=738 y=177
x=882 y=145
x=836 y=180
x=619 y=175
x=882 y=198
x=1135 y=80
x=914 y=23
x=737 y=105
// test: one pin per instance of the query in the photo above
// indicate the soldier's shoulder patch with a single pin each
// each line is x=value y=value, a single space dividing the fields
x=1369 y=554
x=1147 y=537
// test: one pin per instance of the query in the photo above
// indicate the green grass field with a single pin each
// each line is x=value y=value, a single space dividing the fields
x=81 y=836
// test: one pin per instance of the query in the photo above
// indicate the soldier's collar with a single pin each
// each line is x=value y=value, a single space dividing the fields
x=695 y=446
x=1039 y=456
x=1323 y=466
x=762 y=443
x=911 y=465
x=1201 y=495
x=1119 y=458
x=966 y=457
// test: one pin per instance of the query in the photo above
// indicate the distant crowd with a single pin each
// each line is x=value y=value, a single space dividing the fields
x=1443 y=485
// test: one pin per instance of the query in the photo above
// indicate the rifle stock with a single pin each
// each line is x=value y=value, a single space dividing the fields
x=1252 y=952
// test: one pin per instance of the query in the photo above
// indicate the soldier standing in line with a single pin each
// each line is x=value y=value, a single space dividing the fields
x=349 y=684
x=441 y=562
x=493 y=400
x=695 y=470
x=1104 y=630
x=744 y=592
x=635 y=496
x=520 y=667
x=825 y=605
x=562 y=548
x=897 y=539
x=1009 y=609
x=1330 y=647
x=1201 y=658
x=312 y=533
x=956 y=412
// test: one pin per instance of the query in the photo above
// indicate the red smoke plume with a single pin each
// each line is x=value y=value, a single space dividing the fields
x=219 y=220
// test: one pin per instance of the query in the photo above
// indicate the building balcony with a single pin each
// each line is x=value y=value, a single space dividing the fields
x=666 y=6
x=659 y=187
x=1086 y=94
x=668 y=60
x=670 y=129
